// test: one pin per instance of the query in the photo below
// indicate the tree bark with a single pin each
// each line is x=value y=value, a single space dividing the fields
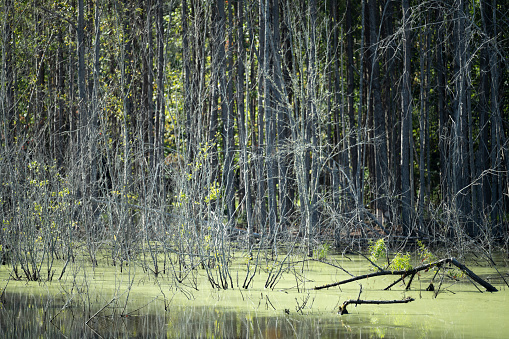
x=442 y=113
x=422 y=130
x=359 y=174
x=406 y=118
x=241 y=111
x=315 y=161
x=352 y=144
x=260 y=168
x=8 y=110
x=149 y=100
x=187 y=76
x=160 y=116
x=81 y=79
x=381 y=160
x=413 y=271
x=483 y=160
x=343 y=310
x=226 y=94
x=283 y=89
x=460 y=165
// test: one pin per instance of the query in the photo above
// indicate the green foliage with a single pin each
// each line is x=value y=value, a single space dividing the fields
x=400 y=262
x=377 y=249
x=425 y=254
x=323 y=251
x=213 y=193
x=455 y=274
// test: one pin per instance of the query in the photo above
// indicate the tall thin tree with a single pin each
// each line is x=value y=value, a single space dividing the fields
x=406 y=118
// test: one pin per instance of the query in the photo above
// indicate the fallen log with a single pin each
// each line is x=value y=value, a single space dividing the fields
x=413 y=271
x=343 y=310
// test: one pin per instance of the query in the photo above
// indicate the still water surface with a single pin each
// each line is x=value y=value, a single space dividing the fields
x=110 y=304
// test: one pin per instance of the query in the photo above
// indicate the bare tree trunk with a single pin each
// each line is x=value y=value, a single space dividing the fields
x=261 y=179
x=483 y=160
x=442 y=113
x=149 y=101
x=391 y=95
x=422 y=144
x=241 y=111
x=186 y=52
x=215 y=93
x=406 y=124
x=160 y=104
x=352 y=143
x=94 y=118
x=83 y=109
x=339 y=135
x=59 y=130
x=7 y=73
x=256 y=168
x=283 y=90
x=269 y=120
x=496 y=128
x=359 y=174
x=426 y=113
x=381 y=160
x=473 y=196
x=460 y=165
x=227 y=112
x=313 y=187
x=127 y=128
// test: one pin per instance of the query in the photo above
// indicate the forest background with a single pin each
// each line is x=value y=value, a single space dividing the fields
x=164 y=126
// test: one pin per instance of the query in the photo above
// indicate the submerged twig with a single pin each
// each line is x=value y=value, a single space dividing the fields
x=136 y=310
x=494 y=265
x=101 y=309
x=342 y=308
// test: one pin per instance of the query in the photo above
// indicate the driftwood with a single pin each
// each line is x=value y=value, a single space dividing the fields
x=342 y=308
x=412 y=272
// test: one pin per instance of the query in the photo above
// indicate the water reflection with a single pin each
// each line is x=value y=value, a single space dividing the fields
x=28 y=316
x=48 y=311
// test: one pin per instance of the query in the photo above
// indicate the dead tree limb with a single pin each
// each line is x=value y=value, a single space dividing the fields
x=473 y=276
x=342 y=308
x=359 y=277
x=413 y=271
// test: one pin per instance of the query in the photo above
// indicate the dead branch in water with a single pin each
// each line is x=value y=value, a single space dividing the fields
x=342 y=308
x=411 y=273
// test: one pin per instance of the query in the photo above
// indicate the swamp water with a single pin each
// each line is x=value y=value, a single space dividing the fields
x=107 y=303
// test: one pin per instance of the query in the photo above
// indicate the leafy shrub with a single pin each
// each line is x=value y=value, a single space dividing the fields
x=323 y=251
x=401 y=262
x=377 y=249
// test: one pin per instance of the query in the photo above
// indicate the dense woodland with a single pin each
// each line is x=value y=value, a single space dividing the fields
x=172 y=126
